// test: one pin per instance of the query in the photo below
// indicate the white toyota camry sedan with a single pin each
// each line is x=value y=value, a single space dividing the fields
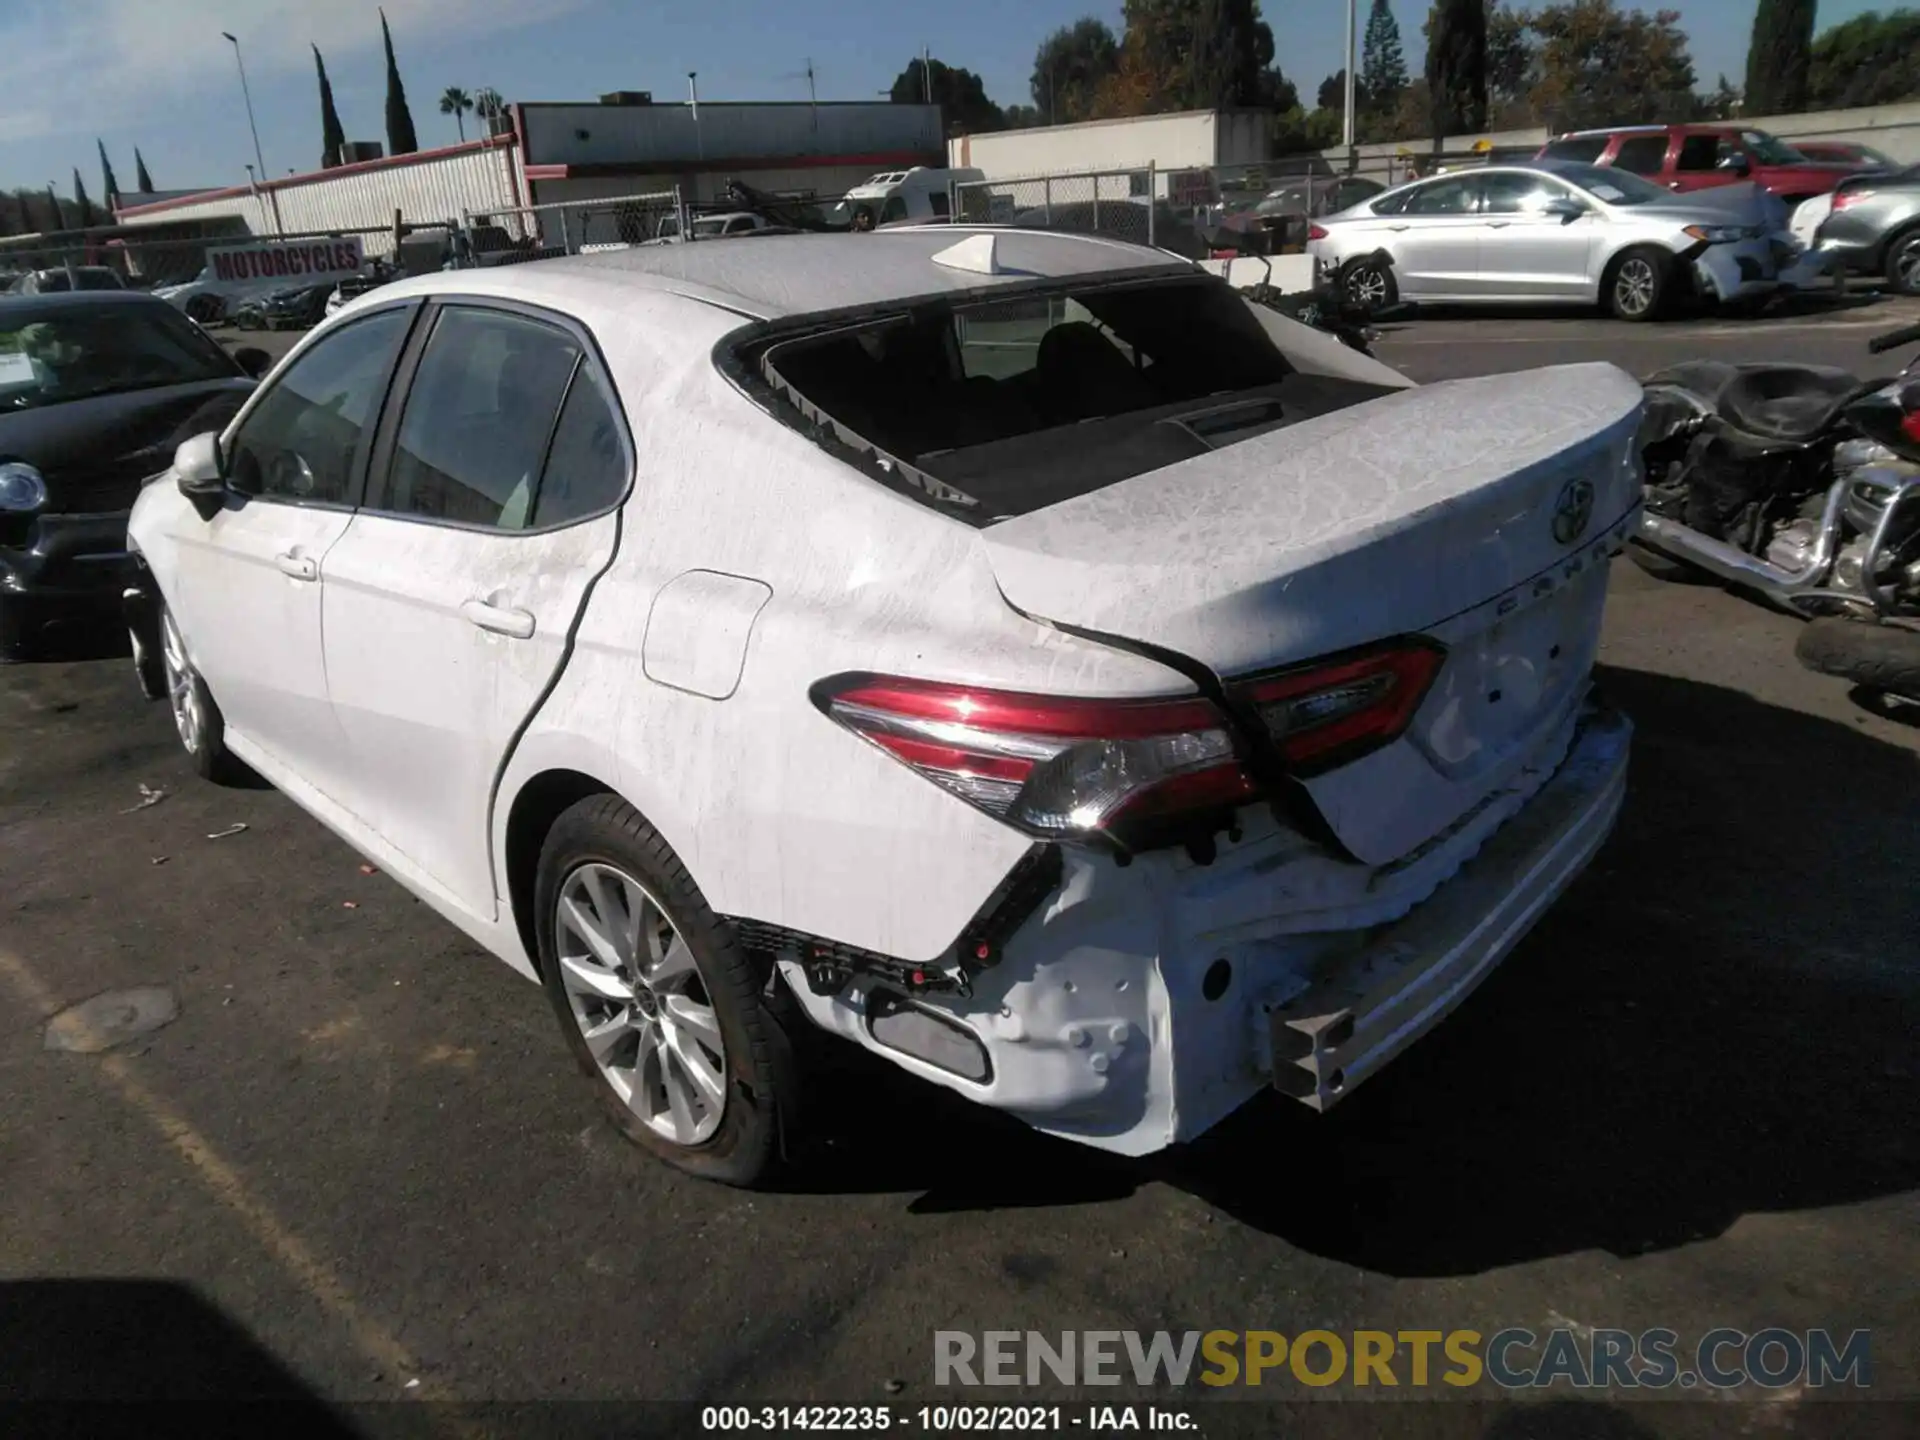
x=1015 y=653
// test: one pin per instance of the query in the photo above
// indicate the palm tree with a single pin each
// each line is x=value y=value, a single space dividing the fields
x=456 y=102
x=489 y=106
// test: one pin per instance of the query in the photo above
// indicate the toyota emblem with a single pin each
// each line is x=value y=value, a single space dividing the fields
x=1572 y=511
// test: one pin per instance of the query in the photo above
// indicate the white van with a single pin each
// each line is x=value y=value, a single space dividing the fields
x=918 y=194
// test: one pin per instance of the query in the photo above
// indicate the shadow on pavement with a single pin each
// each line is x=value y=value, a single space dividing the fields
x=94 y=1357
x=1715 y=1021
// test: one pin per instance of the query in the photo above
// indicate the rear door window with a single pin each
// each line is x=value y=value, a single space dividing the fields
x=1584 y=149
x=479 y=415
x=1456 y=195
x=1642 y=154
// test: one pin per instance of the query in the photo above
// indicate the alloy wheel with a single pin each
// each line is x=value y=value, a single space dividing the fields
x=1368 y=287
x=641 y=1003
x=1906 y=266
x=183 y=693
x=1633 y=287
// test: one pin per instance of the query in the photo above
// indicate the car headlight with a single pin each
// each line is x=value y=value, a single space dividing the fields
x=21 y=487
x=1717 y=234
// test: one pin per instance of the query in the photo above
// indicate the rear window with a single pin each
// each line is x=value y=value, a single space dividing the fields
x=1001 y=408
x=1582 y=148
x=1642 y=154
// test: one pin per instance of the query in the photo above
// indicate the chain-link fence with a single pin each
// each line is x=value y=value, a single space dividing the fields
x=1115 y=203
x=568 y=227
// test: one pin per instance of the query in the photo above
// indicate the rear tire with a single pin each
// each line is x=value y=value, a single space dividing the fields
x=1875 y=657
x=1903 y=263
x=1636 y=284
x=683 y=980
x=1370 y=286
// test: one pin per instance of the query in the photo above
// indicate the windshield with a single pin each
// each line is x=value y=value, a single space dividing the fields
x=1769 y=151
x=52 y=359
x=1615 y=187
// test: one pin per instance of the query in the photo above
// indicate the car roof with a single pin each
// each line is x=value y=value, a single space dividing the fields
x=50 y=302
x=801 y=274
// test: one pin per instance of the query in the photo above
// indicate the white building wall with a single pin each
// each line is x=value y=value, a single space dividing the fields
x=431 y=190
x=1189 y=140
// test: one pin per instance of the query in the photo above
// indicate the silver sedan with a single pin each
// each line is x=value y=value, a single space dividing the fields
x=1550 y=232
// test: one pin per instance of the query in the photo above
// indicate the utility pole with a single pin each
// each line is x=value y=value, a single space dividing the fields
x=1352 y=19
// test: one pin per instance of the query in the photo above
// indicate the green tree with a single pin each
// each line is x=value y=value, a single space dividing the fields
x=1872 y=59
x=456 y=102
x=1383 y=66
x=1602 y=66
x=400 y=137
x=81 y=203
x=1332 y=94
x=1070 y=67
x=1230 y=54
x=1457 y=66
x=491 y=109
x=1513 y=58
x=109 y=187
x=1193 y=55
x=1022 y=117
x=1780 y=57
x=960 y=94
x=140 y=176
x=333 y=136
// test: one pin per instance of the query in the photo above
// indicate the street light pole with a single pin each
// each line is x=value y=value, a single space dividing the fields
x=1351 y=19
x=247 y=95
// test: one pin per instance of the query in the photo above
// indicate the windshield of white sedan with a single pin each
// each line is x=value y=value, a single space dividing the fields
x=51 y=359
x=1019 y=403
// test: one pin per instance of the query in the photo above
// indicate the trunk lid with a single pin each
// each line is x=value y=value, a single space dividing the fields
x=1477 y=511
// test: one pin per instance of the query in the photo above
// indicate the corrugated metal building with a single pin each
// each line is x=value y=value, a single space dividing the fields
x=633 y=146
x=567 y=151
x=1186 y=140
x=428 y=187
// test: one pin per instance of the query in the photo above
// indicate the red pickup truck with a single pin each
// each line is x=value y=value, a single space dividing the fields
x=1694 y=157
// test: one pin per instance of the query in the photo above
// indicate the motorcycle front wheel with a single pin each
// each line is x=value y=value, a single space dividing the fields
x=1885 y=658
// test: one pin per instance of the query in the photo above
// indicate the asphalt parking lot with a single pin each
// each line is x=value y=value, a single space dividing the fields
x=359 y=1159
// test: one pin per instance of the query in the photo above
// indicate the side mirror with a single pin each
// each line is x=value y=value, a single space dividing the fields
x=1566 y=207
x=196 y=469
x=1738 y=164
x=255 y=361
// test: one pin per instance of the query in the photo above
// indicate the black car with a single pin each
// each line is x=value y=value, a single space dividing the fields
x=97 y=388
x=298 y=308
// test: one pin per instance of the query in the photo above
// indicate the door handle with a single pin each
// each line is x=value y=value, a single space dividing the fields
x=501 y=619
x=1398 y=227
x=297 y=567
x=1498 y=224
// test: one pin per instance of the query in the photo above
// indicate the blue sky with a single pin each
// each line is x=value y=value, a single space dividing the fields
x=157 y=74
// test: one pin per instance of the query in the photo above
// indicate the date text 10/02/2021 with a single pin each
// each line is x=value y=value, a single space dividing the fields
x=944 y=1419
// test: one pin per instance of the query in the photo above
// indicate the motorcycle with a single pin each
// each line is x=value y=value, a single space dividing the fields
x=1799 y=484
x=1328 y=306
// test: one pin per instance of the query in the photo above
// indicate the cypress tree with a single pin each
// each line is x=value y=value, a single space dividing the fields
x=400 y=137
x=333 y=139
x=1383 y=65
x=1780 y=57
x=1457 y=66
x=140 y=176
x=111 y=186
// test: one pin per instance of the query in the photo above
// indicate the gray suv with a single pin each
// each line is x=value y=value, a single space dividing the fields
x=1874 y=226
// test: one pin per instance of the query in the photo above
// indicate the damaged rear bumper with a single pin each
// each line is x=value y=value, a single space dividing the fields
x=1137 y=1007
x=1365 y=1011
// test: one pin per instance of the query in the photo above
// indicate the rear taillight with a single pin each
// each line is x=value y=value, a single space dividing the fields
x=1842 y=199
x=1316 y=232
x=1062 y=767
x=1910 y=426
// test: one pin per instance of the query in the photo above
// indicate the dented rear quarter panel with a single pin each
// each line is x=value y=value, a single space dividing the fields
x=779 y=814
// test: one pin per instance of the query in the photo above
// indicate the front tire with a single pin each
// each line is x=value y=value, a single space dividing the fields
x=1903 y=263
x=1885 y=658
x=197 y=719
x=667 y=1016
x=1636 y=284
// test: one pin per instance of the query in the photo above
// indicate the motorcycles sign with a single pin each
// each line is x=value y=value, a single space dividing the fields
x=296 y=260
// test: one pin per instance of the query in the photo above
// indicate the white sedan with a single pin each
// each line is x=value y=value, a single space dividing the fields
x=1013 y=652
